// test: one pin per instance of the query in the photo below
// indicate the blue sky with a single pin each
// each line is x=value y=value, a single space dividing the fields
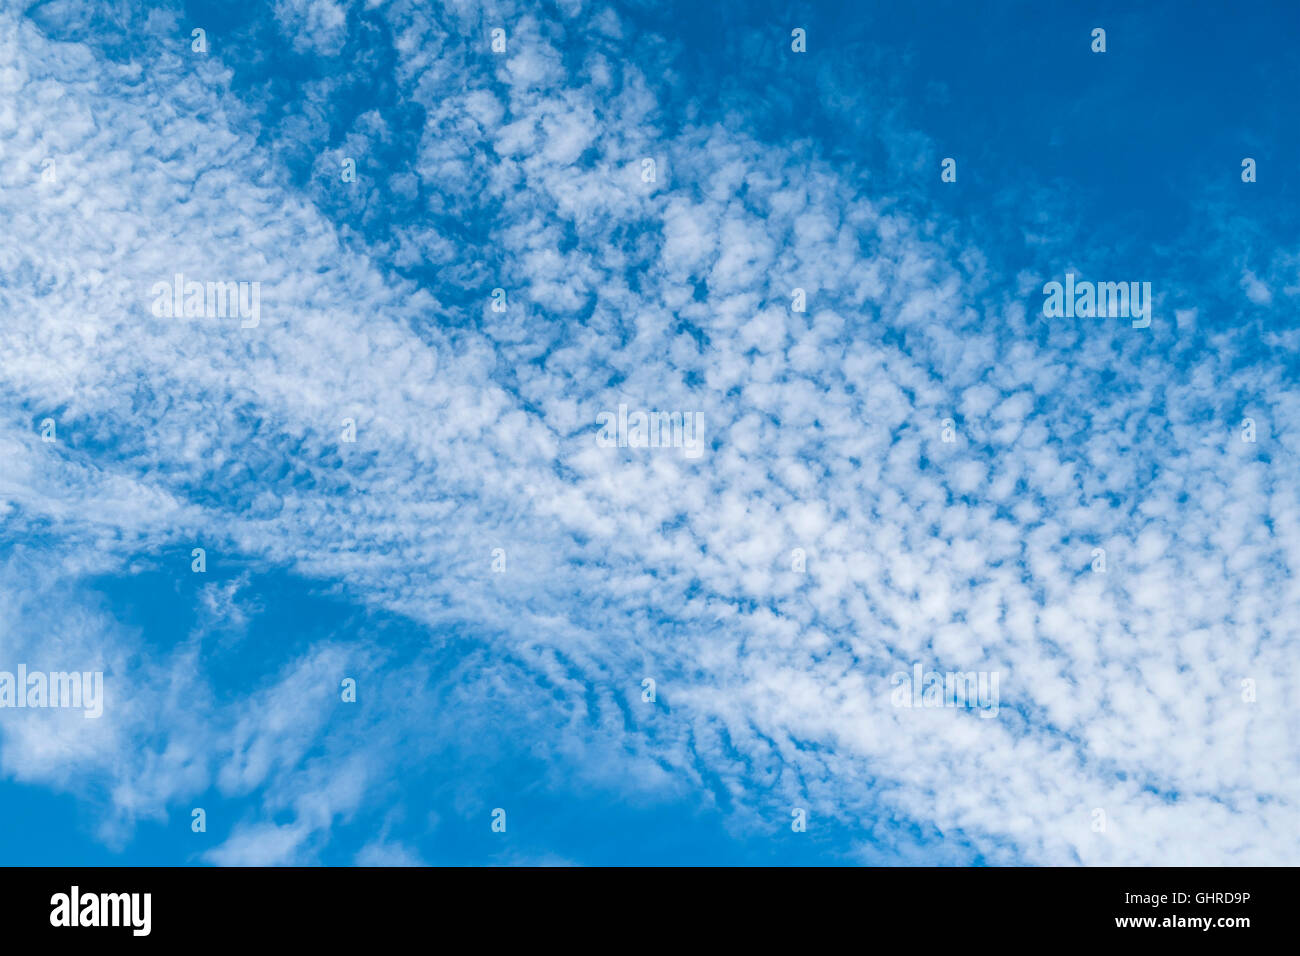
x=946 y=460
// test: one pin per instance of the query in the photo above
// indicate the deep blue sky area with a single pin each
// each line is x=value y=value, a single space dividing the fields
x=1132 y=146
x=602 y=827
